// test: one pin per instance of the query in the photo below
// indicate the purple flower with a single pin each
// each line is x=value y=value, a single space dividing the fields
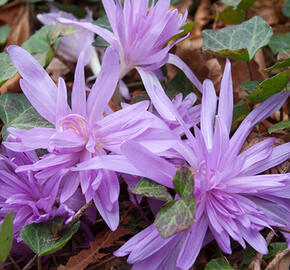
x=71 y=46
x=30 y=200
x=232 y=200
x=141 y=37
x=84 y=132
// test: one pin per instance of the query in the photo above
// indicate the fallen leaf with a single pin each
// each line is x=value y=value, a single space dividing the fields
x=56 y=69
x=12 y=85
x=93 y=254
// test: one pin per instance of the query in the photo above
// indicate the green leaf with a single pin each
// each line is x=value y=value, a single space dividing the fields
x=279 y=126
x=250 y=86
x=16 y=111
x=269 y=87
x=45 y=238
x=239 y=42
x=4 y=32
x=218 y=264
x=7 y=70
x=281 y=64
x=242 y=4
x=179 y=84
x=241 y=110
x=280 y=43
x=274 y=248
x=186 y=29
x=151 y=189
x=174 y=217
x=231 y=15
x=178 y=215
x=6 y=237
x=183 y=181
x=247 y=257
x=3 y=2
x=286 y=9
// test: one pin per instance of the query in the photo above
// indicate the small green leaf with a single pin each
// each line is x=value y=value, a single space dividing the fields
x=6 y=237
x=4 y=32
x=281 y=64
x=242 y=4
x=286 y=9
x=16 y=111
x=250 y=86
x=247 y=257
x=279 y=126
x=218 y=264
x=239 y=42
x=280 y=43
x=174 y=217
x=178 y=215
x=269 y=87
x=186 y=29
x=45 y=238
x=231 y=15
x=151 y=189
x=183 y=181
x=241 y=110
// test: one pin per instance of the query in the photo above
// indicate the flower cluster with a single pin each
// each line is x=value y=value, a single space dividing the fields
x=89 y=146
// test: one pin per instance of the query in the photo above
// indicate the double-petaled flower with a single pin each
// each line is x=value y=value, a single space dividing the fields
x=232 y=200
x=86 y=131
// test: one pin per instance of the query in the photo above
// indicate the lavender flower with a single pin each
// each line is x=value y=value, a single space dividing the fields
x=30 y=200
x=72 y=45
x=232 y=200
x=141 y=37
x=84 y=132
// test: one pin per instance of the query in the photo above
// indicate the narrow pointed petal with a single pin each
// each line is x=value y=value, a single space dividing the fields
x=62 y=108
x=176 y=61
x=36 y=83
x=225 y=108
x=78 y=98
x=208 y=110
x=193 y=244
x=104 y=86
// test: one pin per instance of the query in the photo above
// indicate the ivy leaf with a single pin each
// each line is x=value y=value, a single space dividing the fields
x=4 y=32
x=16 y=111
x=6 y=237
x=250 y=86
x=241 y=110
x=7 y=70
x=45 y=238
x=241 y=4
x=274 y=248
x=151 y=189
x=231 y=15
x=218 y=264
x=279 y=126
x=286 y=9
x=178 y=215
x=280 y=43
x=281 y=64
x=269 y=87
x=239 y=42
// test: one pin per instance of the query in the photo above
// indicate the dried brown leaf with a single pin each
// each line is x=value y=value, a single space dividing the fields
x=93 y=254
